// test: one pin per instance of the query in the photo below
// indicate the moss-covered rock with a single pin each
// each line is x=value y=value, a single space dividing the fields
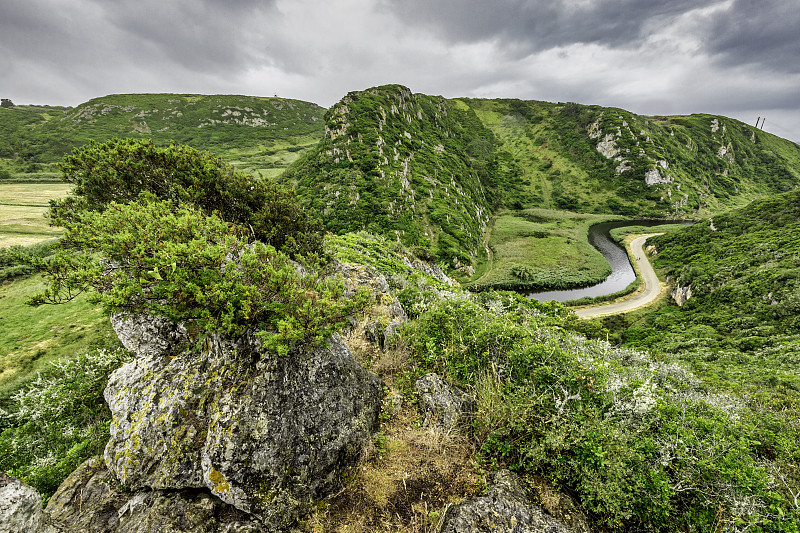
x=91 y=500
x=268 y=435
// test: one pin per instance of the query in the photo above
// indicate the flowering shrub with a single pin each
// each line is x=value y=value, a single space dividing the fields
x=58 y=420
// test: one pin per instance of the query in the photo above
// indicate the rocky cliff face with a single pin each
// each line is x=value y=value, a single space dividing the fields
x=21 y=508
x=224 y=427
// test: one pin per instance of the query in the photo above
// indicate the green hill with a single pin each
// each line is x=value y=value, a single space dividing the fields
x=595 y=159
x=743 y=309
x=420 y=169
x=255 y=133
x=430 y=172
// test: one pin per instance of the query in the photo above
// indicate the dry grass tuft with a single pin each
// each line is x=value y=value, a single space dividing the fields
x=406 y=482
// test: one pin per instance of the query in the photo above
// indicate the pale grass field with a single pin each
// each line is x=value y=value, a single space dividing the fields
x=22 y=209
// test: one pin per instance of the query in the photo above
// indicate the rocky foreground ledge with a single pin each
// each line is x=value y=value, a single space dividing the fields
x=216 y=435
x=219 y=435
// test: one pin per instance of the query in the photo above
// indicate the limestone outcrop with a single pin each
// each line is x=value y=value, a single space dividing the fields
x=267 y=435
x=681 y=294
x=506 y=508
x=441 y=405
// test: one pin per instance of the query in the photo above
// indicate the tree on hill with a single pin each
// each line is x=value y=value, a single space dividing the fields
x=120 y=169
x=5 y=102
x=176 y=233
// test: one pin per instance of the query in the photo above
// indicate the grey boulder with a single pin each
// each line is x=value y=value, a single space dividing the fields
x=506 y=508
x=442 y=406
x=268 y=435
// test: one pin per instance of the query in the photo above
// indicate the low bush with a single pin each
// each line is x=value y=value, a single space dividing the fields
x=641 y=443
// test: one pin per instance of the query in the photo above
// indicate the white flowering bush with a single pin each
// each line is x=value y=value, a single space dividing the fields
x=58 y=420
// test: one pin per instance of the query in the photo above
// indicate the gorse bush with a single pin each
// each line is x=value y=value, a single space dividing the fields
x=147 y=256
x=58 y=420
x=176 y=233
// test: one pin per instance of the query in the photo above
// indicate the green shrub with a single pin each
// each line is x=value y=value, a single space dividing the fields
x=148 y=256
x=118 y=170
x=640 y=443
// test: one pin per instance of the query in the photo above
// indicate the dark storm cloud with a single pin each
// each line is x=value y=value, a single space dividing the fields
x=534 y=25
x=51 y=48
x=762 y=32
x=732 y=57
x=195 y=35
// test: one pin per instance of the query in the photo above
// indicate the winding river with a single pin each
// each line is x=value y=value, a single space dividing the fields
x=622 y=273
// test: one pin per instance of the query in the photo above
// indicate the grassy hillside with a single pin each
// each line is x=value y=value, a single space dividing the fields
x=595 y=159
x=255 y=133
x=743 y=312
x=739 y=330
x=430 y=172
x=420 y=169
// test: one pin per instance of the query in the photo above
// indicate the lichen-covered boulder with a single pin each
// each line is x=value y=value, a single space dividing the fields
x=90 y=500
x=266 y=434
x=21 y=508
x=506 y=508
x=441 y=405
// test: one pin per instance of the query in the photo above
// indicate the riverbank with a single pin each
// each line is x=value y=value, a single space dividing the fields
x=540 y=249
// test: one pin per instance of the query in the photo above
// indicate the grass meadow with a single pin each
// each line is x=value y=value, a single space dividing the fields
x=543 y=249
x=22 y=209
x=32 y=337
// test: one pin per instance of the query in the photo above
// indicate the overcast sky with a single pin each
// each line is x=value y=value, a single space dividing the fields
x=738 y=58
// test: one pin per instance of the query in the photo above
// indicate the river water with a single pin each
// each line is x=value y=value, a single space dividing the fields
x=622 y=273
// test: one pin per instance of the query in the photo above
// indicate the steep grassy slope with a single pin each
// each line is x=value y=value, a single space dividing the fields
x=431 y=171
x=255 y=133
x=595 y=159
x=418 y=168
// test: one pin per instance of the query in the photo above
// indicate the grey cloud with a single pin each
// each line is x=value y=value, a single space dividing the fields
x=534 y=25
x=763 y=32
x=211 y=34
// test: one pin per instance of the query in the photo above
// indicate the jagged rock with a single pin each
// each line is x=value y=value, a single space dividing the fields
x=149 y=335
x=269 y=435
x=442 y=406
x=360 y=276
x=681 y=294
x=380 y=335
x=90 y=500
x=390 y=332
x=396 y=311
x=431 y=270
x=374 y=333
x=21 y=508
x=507 y=508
